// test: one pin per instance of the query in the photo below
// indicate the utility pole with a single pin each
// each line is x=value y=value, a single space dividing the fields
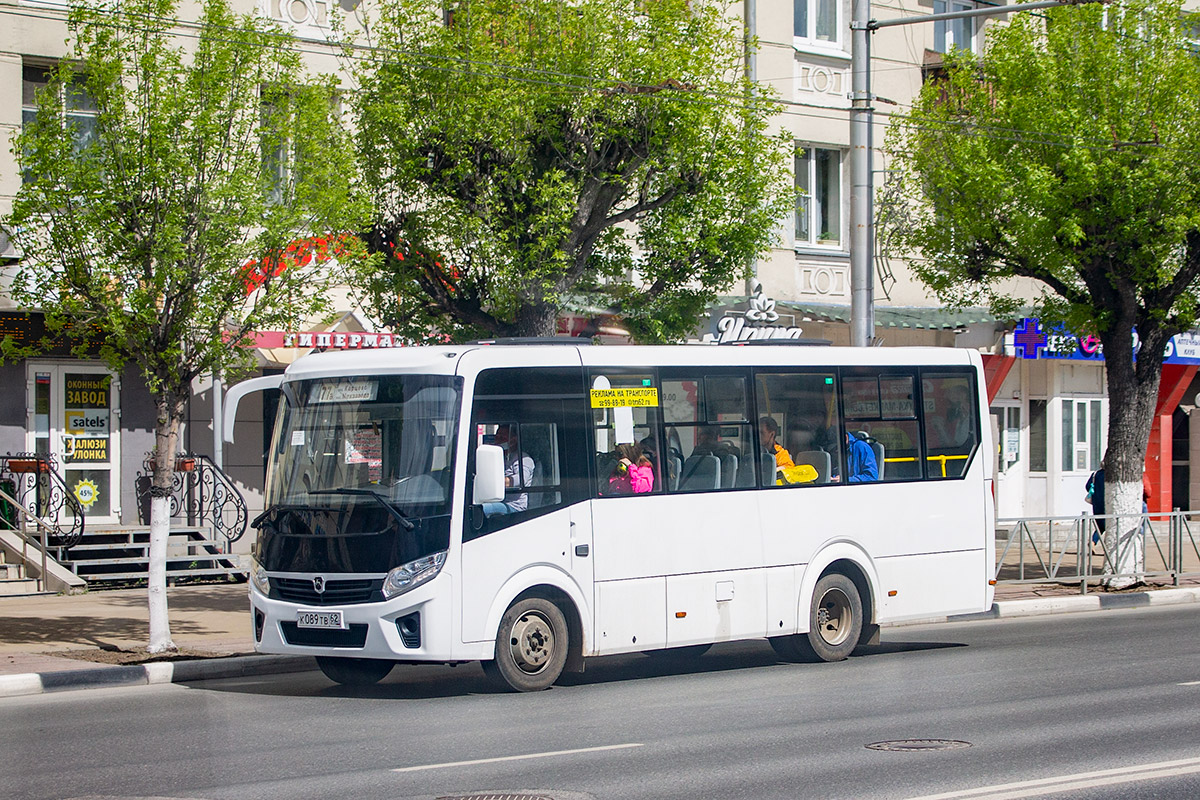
x=862 y=202
x=750 y=12
x=862 y=123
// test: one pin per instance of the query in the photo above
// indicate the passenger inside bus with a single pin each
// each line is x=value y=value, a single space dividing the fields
x=768 y=431
x=861 y=464
x=519 y=470
x=633 y=473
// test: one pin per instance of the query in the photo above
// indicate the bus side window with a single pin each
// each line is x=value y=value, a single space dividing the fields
x=706 y=415
x=798 y=410
x=951 y=424
x=537 y=416
x=540 y=440
x=626 y=433
x=879 y=409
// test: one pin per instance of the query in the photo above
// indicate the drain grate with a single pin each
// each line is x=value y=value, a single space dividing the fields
x=497 y=797
x=918 y=745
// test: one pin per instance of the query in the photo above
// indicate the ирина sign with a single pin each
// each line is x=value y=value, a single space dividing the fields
x=756 y=322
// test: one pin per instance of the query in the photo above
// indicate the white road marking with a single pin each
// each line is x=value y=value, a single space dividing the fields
x=1189 y=683
x=518 y=758
x=1068 y=783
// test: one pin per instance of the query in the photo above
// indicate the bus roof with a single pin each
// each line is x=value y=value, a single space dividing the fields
x=445 y=359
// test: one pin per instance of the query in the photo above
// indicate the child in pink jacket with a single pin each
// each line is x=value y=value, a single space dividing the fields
x=633 y=473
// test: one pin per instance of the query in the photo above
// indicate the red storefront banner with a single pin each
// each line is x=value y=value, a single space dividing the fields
x=324 y=340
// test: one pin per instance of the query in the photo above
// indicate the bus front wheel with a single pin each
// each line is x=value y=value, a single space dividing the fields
x=835 y=620
x=354 y=671
x=531 y=646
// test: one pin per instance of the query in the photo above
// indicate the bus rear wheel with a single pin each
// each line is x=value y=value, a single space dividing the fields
x=835 y=621
x=531 y=646
x=354 y=671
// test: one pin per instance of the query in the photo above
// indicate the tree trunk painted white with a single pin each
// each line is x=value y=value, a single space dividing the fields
x=1133 y=384
x=160 y=529
x=170 y=408
x=1123 y=537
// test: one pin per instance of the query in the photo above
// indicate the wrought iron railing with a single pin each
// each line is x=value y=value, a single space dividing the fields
x=34 y=481
x=201 y=494
x=1077 y=550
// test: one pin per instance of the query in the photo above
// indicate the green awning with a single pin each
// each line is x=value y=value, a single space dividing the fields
x=914 y=317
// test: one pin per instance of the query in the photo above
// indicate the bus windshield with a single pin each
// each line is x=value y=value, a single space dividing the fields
x=381 y=440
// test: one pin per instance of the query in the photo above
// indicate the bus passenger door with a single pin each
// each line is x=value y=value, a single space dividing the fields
x=542 y=533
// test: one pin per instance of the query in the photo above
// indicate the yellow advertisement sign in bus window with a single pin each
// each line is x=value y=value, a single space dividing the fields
x=625 y=398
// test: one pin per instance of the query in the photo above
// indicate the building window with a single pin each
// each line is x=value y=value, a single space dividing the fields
x=1081 y=434
x=283 y=156
x=277 y=155
x=815 y=20
x=951 y=33
x=1037 y=435
x=78 y=107
x=819 y=197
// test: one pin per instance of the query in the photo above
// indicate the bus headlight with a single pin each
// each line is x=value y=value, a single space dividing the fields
x=411 y=575
x=259 y=577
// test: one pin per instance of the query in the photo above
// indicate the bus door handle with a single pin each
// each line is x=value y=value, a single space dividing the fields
x=581 y=550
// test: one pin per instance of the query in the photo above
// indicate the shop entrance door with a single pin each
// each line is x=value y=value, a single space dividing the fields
x=75 y=416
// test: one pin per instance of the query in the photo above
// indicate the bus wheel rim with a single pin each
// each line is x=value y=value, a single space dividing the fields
x=532 y=642
x=834 y=617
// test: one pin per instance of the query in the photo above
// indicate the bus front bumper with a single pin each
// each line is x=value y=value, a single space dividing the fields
x=415 y=626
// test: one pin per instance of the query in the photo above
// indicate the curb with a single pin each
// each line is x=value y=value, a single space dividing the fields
x=145 y=674
x=1039 y=606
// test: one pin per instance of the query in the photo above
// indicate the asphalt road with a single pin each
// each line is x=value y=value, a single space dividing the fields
x=1077 y=706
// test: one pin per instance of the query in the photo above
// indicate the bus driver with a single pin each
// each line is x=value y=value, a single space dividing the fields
x=518 y=471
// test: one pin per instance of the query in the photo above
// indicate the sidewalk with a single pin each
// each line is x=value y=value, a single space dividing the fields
x=36 y=631
x=45 y=640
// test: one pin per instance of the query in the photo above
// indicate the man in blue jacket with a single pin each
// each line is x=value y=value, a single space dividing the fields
x=860 y=461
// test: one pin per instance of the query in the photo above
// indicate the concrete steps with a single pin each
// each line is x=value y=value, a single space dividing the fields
x=14 y=582
x=123 y=554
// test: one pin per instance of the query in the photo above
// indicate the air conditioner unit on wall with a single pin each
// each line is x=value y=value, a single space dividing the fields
x=8 y=250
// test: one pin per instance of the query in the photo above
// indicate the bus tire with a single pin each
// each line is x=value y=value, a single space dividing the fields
x=835 y=620
x=531 y=646
x=354 y=671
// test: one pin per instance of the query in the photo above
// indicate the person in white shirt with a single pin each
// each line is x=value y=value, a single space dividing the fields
x=518 y=471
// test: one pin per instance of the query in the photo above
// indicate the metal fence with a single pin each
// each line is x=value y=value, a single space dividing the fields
x=1069 y=550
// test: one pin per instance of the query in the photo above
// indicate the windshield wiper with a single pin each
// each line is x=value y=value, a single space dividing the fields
x=279 y=511
x=392 y=508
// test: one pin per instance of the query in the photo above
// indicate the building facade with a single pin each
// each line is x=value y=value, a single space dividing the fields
x=1050 y=413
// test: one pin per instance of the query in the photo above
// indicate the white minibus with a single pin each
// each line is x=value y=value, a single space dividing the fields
x=529 y=505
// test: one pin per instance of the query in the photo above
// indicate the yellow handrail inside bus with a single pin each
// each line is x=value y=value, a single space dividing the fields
x=941 y=459
x=944 y=459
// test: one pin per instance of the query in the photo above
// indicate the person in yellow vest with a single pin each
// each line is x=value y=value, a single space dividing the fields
x=768 y=432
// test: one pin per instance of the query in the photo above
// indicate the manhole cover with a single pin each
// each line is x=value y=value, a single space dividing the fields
x=916 y=745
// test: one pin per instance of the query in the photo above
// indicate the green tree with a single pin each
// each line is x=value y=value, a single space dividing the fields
x=161 y=233
x=1070 y=154
x=527 y=156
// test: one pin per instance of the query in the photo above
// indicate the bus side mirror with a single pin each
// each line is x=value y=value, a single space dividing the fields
x=489 y=474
